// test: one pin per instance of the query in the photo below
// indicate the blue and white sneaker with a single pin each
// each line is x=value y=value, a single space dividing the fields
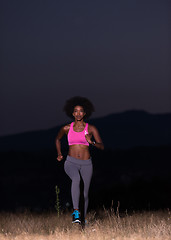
x=76 y=217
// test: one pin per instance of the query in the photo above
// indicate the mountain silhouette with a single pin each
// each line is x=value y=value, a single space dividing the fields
x=120 y=130
x=134 y=168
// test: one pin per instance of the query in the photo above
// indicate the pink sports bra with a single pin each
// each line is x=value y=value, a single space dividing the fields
x=77 y=137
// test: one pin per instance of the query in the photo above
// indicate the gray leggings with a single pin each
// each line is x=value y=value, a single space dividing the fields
x=74 y=168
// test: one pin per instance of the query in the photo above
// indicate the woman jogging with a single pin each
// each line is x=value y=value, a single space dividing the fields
x=78 y=161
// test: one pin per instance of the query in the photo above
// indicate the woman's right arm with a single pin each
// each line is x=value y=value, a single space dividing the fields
x=61 y=133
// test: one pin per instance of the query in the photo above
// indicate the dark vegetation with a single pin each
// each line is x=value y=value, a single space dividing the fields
x=139 y=178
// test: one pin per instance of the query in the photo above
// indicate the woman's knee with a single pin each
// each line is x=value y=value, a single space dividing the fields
x=76 y=178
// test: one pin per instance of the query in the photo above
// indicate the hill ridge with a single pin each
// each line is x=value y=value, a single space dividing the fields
x=118 y=130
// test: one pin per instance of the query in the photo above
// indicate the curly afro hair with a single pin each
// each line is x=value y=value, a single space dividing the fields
x=78 y=101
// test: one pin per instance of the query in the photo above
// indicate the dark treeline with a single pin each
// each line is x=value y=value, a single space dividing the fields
x=139 y=178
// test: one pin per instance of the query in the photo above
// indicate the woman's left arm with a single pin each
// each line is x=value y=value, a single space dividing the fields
x=98 y=141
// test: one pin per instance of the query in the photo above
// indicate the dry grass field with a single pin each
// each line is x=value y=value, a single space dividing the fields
x=106 y=225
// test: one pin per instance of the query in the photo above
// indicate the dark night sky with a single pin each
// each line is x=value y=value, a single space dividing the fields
x=116 y=53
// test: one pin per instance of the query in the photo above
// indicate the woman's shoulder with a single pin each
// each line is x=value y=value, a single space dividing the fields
x=66 y=127
x=91 y=127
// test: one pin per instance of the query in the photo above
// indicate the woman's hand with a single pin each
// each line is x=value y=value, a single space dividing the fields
x=59 y=157
x=94 y=132
x=88 y=138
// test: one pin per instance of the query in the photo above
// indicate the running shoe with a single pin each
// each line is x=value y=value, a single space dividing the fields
x=76 y=217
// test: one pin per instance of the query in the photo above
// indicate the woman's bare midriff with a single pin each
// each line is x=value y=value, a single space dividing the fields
x=79 y=151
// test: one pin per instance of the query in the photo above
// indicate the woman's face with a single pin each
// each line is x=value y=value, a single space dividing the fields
x=79 y=113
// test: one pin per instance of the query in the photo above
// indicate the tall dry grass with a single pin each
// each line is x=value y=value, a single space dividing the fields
x=104 y=226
